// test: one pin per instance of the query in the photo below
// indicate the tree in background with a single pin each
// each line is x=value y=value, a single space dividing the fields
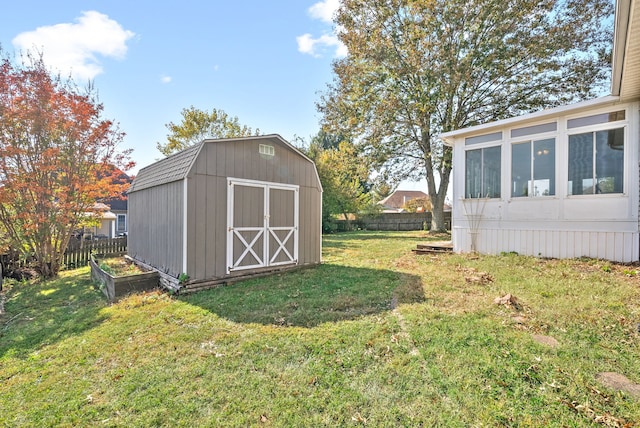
x=198 y=125
x=416 y=69
x=344 y=176
x=418 y=205
x=381 y=189
x=56 y=159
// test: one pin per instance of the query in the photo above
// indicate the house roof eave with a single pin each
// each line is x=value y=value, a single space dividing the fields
x=623 y=10
x=450 y=137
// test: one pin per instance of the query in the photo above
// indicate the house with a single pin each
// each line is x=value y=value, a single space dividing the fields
x=558 y=183
x=119 y=208
x=226 y=209
x=395 y=202
x=113 y=213
x=100 y=223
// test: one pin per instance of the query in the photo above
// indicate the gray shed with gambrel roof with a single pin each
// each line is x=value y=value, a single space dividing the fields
x=227 y=208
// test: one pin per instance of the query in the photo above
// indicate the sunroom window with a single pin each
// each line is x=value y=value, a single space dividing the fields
x=482 y=173
x=596 y=162
x=533 y=168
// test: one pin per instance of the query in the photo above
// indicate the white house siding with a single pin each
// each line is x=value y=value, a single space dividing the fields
x=560 y=226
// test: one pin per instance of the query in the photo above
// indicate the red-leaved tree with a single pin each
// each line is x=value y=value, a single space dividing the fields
x=57 y=158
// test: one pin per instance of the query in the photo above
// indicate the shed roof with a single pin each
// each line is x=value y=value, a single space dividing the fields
x=167 y=170
x=176 y=167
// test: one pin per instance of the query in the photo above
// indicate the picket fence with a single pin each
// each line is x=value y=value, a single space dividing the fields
x=76 y=255
x=78 y=252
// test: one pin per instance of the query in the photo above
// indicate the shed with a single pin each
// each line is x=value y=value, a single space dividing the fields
x=226 y=209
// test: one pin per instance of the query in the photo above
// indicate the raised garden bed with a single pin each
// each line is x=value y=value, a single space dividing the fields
x=117 y=277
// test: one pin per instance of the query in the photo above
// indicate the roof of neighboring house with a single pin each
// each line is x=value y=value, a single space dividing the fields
x=102 y=210
x=400 y=197
x=625 y=76
x=119 y=203
x=176 y=167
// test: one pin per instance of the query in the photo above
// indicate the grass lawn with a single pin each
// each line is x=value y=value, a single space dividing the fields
x=375 y=336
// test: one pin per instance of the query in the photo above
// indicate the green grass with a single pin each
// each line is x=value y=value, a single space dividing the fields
x=375 y=336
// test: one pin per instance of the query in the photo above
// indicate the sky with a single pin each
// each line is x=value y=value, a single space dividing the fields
x=265 y=62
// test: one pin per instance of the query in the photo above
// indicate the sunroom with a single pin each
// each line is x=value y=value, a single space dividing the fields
x=559 y=183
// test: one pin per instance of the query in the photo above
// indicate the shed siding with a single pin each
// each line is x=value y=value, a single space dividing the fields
x=207 y=200
x=155 y=227
x=176 y=232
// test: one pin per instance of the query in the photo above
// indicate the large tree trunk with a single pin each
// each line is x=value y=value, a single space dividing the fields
x=437 y=196
x=438 y=223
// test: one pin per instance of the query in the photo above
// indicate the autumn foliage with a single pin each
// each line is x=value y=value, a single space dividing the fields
x=57 y=158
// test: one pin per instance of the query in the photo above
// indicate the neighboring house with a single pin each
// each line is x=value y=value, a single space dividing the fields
x=113 y=221
x=558 y=183
x=119 y=209
x=104 y=228
x=226 y=208
x=395 y=202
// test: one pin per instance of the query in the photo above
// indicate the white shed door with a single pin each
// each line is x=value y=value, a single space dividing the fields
x=262 y=224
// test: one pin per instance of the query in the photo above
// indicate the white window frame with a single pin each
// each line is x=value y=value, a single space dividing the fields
x=624 y=124
x=118 y=222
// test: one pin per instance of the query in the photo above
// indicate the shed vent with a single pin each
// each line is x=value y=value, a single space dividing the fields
x=267 y=150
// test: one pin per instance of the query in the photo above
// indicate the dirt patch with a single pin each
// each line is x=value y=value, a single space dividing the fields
x=518 y=319
x=119 y=266
x=619 y=382
x=546 y=340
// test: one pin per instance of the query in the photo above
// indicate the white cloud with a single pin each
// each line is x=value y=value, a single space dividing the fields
x=315 y=46
x=74 y=47
x=307 y=44
x=165 y=79
x=324 y=10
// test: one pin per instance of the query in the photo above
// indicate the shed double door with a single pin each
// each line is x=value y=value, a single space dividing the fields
x=262 y=224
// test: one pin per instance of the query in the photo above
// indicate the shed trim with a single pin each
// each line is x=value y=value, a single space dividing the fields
x=272 y=137
x=179 y=165
x=185 y=229
x=266 y=231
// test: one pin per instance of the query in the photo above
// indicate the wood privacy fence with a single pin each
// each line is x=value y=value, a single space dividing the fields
x=77 y=254
x=393 y=221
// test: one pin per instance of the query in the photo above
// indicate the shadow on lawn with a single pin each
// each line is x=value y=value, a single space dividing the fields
x=42 y=313
x=306 y=298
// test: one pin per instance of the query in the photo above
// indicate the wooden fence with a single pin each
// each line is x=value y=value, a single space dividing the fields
x=393 y=221
x=77 y=254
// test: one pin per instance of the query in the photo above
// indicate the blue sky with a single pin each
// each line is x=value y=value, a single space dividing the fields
x=262 y=61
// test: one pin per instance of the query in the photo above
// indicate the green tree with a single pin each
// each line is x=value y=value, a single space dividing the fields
x=57 y=158
x=344 y=176
x=418 y=68
x=197 y=125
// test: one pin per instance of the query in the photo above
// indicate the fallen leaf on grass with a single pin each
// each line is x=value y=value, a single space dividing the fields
x=508 y=300
x=359 y=419
x=479 y=278
x=604 y=418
